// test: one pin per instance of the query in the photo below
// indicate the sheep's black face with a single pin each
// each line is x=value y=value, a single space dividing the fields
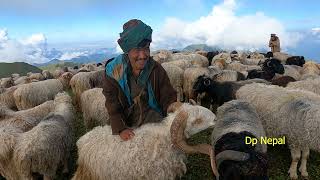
x=202 y=84
x=273 y=65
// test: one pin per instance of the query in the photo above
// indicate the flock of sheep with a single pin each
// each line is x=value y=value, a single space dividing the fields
x=238 y=94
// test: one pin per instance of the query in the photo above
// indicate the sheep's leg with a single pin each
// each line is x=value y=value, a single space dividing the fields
x=295 y=156
x=47 y=177
x=179 y=94
x=199 y=99
x=303 y=166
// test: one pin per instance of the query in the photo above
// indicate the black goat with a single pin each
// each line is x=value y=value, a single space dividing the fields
x=269 y=68
x=296 y=60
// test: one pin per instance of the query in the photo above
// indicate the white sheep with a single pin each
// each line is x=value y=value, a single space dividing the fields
x=15 y=76
x=150 y=154
x=281 y=56
x=46 y=146
x=195 y=59
x=228 y=75
x=290 y=113
x=6 y=82
x=292 y=71
x=175 y=75
x=312 y=85
x=83 y=81
x=6 y=97
x=37 y=76
x=190 y=76
x=93 y=108
x=47 y=74
x=225 y=56
x=310 y=70
x=236 y=66
x=22 y=80
x=162 y=56
x=33 y=94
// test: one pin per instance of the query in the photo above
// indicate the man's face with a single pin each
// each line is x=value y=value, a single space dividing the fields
x=273 y=38
x=139 y=56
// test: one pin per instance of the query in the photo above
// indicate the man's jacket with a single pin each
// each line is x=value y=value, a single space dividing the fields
x=117 y=103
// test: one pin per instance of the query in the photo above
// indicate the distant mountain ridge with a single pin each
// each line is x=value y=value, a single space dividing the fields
x=22 y=68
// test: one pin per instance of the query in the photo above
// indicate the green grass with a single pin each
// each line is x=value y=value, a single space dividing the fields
x=22 y=68
x=198 y=166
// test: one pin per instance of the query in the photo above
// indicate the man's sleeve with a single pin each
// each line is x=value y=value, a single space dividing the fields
x=115 y=110
x=168 y=94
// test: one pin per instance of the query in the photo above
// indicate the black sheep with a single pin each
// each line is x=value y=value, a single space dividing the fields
x=296 y=60
x=269 y=68
x=211 y=54
x=75 y=67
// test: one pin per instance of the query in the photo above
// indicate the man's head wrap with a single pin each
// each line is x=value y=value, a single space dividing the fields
x=134 y=32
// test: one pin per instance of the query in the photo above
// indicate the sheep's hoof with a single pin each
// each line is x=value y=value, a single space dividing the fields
x=293 y=177
x=305 y=177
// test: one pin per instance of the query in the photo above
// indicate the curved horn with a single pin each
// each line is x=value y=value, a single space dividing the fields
x=207 y=82
x=192 y=102
x=179 y=140
x=268 y=64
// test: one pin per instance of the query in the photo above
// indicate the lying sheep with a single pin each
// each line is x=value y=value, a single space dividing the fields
x=15 y=76
x=46 y=146
x=151 y=156
x=189 y=78
x=83 y=81
x=281 y=56
x=33 y=94
x=292 y=71
x=22 y=80
x=237 y=120
x=93 y=108
x=175 y=75
x=290 y=113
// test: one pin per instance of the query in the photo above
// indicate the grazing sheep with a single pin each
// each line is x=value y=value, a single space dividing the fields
x=6 y=82
x=228 y=75
x=290 y=113
x=175 y=75
x=6 y=97
x=237 y=120
x=269 y=68
x=46 y=146
x=151 y=156
x=33 y=94
x=47 y=74
x=296 y=60
x=36 y=76
x=83 y=81
x=93 y=108
x=310 y=70
x=312 y=85
x=189 y=78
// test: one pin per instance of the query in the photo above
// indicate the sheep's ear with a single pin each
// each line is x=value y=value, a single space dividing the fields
x=173 y=107
x=192 y=102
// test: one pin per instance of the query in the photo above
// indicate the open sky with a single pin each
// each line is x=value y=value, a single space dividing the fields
x=228 y=23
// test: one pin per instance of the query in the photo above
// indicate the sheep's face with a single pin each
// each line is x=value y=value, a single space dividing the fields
x=199 y=118
x=273 y=65
x=202 y=84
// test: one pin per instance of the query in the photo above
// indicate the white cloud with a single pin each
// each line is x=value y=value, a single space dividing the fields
x=30 y=50
x=222 y=27
x=70 y=55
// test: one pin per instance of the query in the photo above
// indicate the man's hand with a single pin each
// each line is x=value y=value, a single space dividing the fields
x=126 y=134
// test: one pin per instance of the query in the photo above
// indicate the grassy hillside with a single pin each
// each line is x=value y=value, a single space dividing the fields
x=52 y=67
x=22 y=68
